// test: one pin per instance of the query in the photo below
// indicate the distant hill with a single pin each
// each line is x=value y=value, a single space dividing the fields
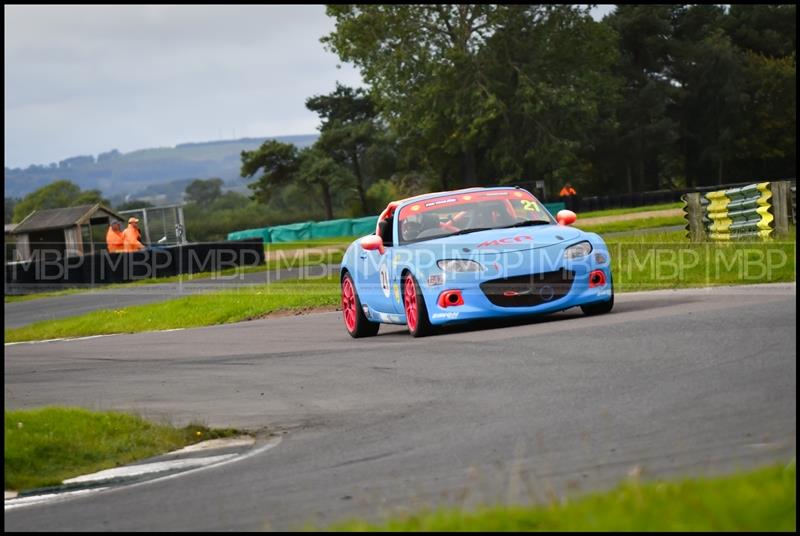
x=159 y=174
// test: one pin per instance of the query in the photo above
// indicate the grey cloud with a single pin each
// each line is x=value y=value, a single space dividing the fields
x=83 y=80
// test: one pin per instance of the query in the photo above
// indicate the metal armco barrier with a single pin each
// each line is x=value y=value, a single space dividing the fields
x=752 y=211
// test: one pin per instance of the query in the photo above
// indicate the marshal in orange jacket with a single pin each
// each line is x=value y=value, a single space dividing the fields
x=566 y=191
x=130 y=237
x=115 y=239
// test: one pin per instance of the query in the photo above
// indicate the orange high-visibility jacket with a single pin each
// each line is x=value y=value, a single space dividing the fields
x=567 y=191
x=115 y=241
x=131 y=239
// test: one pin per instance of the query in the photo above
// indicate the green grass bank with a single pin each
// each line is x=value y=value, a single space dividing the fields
x=43 y=447
x=760 y=500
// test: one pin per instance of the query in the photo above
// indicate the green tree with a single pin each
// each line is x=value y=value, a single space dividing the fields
x=459 y=95
x=480 y=90
x=422 y=64
x=58 y=194
x=349 y=128
x=276 y=162
x=707 y=69
x=318 y=169
x=645 y=137
x=768 y=129
x=551 y=73
x=229 y=201
x=281 y=164
x=765 y=141
x=204 y=192
x=770 y=30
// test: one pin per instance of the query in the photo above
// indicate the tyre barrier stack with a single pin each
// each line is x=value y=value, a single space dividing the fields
x=755 y=211
x=739 y=212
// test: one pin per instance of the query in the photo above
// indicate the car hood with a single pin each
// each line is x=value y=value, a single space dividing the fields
x=496 y=241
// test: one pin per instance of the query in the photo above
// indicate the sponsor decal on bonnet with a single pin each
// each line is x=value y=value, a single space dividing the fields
x=508 y=240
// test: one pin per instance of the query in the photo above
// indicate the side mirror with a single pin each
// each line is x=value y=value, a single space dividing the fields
x=372 y=242
x=566 y=217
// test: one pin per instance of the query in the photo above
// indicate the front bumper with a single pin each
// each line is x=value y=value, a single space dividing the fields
x=519 y=291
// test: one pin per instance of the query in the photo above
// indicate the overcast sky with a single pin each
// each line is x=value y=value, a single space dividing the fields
x=87 y=79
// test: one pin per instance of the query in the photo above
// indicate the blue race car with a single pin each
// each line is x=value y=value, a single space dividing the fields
x=467 y=255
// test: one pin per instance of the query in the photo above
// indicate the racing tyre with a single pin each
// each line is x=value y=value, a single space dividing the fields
x=416 y=312
x=600 y=308
x=354 y=319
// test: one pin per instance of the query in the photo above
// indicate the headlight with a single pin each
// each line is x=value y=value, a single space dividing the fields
x=455 y=265
x=581 y=249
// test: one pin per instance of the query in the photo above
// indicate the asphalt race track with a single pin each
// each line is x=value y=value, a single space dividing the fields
x=670 y=383
x=22 y=313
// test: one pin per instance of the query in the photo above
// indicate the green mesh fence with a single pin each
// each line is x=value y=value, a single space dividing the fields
x=553 y=208
x=363 y=226
x=296 y=232
x=251 y=233
x=331 y=228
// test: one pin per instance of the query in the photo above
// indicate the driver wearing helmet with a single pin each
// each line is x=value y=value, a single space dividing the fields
x=410 y=229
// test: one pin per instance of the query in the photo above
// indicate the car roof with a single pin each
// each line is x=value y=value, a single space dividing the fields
x=392 y=207
x=448 y=192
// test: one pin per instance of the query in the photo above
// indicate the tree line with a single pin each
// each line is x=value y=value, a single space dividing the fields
x=651 y=97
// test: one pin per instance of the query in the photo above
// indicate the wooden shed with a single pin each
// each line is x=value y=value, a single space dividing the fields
x=69 y=232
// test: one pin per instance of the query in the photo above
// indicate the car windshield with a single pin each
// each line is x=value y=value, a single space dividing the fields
x=462 y=213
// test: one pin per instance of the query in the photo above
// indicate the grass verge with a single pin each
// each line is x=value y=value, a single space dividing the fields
x=220 y=307
x=633 y=210
x=45 y=446
x=760 y=500
x=631 y=225
x=669 y=261
x=342 y=241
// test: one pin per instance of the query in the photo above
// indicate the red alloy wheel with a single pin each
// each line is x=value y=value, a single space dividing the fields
x=349 y=304
x=411 y=304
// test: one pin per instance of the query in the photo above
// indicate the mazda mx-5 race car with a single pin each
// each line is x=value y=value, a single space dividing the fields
x=468 y=255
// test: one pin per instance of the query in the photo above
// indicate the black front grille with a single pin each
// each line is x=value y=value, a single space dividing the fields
x=529 y=290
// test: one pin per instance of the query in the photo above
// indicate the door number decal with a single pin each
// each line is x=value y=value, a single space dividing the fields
x=385 y=280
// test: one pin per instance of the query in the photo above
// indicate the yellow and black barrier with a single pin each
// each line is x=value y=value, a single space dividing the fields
x=752 y=211
x=740 y=213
